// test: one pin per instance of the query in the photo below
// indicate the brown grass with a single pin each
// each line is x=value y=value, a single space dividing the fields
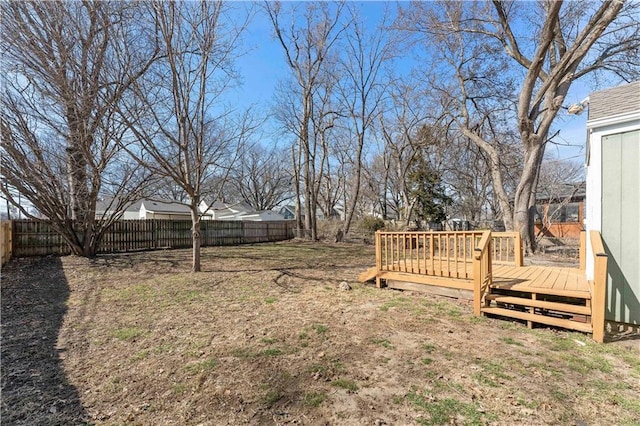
x=264 y=336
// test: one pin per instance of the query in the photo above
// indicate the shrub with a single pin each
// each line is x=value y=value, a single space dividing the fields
x=372 y=224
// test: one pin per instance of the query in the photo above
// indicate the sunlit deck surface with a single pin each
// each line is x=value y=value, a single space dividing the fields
x=553 y=280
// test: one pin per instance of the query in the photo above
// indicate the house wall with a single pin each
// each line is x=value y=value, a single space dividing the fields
x=621 y=226
x=597 y=130
x=561 y=229
x=613 y=205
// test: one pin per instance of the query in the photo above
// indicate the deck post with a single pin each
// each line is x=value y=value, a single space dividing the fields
x=477 y=281
x=517 y=250
x=583 y=250
x=599 y=294
x=599 y=297
x=378 y=258
x=481 y=266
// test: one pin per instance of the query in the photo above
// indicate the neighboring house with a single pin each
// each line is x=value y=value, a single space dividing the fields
x=264 y=215
x=105 y=206
x=288 y=212
x=613 y=195
x=560 y=211
x=221 y=210
x=164 y=210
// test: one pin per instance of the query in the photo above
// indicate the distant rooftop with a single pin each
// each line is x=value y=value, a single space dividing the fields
x=573 y=190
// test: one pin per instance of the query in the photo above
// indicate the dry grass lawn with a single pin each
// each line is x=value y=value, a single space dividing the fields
x=264 y=336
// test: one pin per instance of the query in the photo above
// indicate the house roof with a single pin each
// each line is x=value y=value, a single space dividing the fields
x=107 y=204
x=165 y=207
x=575 y=191
x=239 y=207
x=614 y=101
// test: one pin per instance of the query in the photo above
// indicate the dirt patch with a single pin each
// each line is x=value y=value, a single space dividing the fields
x=264 y=335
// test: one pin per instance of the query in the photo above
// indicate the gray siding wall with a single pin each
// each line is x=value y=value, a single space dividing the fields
x=621 y=224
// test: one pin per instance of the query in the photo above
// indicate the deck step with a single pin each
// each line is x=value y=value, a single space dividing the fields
x=554 y=306
x=542 y=319
x=368 y=275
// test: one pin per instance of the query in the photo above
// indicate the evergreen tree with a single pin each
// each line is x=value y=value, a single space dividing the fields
x=427 y=190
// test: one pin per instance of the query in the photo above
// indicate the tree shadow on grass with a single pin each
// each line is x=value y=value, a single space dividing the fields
x=35 y=389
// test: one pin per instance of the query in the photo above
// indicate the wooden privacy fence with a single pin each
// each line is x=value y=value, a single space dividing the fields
x=32 y=238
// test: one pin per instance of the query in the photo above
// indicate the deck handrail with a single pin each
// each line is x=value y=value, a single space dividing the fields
x=598 y=285
x=482 y=274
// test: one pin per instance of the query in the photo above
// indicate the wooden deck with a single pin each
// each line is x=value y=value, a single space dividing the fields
x=553 y=280
x=488 y=268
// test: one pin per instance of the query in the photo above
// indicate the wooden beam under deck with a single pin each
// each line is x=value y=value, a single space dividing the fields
x=458 y=283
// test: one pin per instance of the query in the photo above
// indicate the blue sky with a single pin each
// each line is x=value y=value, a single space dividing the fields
x=263 y=65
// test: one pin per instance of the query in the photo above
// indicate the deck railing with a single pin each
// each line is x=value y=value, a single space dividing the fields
x=506 y=248
x=482 y=276
x=442 y=254
x=598 y=285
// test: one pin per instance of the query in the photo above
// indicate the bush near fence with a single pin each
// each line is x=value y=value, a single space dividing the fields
x=33 y=238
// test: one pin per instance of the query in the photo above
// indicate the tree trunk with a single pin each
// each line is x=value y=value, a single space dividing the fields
x=195 y=237
x=296 y=178
x=356 y=188
x=525 y=196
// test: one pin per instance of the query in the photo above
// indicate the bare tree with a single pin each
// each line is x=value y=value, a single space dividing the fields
x=361 y=93
x=66 y=68
x=186 y=135
x=308 y=45
x=492 y=63
x=399 y=128
x=261 y=178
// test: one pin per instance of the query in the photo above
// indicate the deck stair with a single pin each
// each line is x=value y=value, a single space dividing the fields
x=571 y=312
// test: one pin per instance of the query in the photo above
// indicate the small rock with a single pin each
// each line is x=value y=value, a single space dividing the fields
x=344 y=286
x=380 y=422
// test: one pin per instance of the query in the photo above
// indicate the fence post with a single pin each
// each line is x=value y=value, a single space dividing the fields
x=6 y=241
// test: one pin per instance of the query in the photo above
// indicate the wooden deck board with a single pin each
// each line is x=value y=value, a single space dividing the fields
x=553 y=280
x=543 y=279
